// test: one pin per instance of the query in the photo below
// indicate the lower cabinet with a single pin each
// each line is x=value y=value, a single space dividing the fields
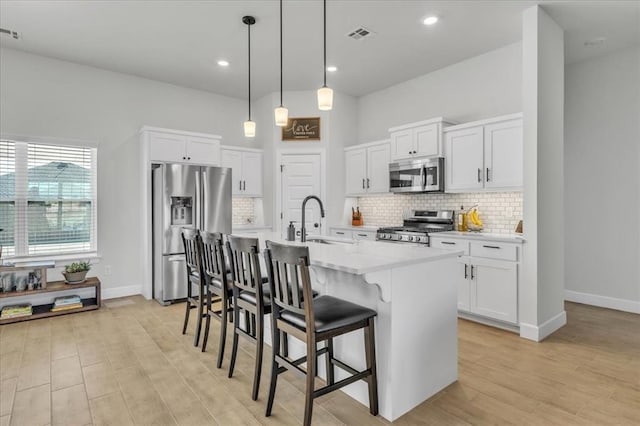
x=487 y=284
x=341 y=233
x=353 y=234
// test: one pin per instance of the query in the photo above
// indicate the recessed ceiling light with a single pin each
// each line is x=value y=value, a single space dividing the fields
x=430 y=20
x=223 y=63
x=595 y=42
x=332 y=68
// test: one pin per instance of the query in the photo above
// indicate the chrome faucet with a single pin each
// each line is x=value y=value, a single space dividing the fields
x=303 y=231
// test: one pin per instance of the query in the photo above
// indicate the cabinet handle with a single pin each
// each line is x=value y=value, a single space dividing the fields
x=240 y=185
x=466 y=271
x=188 y=158
x=487 y=174
x=368 y=183
x=244 y=185
x=472 y=277
x=415 y=152
x=362 y=235
x=479 y=175
x=409 y=152
x=184 y=158
x=493 y=247
x=362 y=183
x=339 y=233
x=449 y=243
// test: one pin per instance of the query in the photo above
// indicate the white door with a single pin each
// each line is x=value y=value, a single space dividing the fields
x=426 y=138
x=204 y=151
x=300 y=178
x=233 y=159
x=378 y=158
x=356 y=171
x=168 y=147
x=464 y=159
x=252 y=174
x=494 y=289
x=503 y=154
x=402 y=144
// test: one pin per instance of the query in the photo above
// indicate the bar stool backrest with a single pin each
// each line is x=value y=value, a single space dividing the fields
x=288 y=268
x=245 y=265
x=190 y=239
x=213 y=262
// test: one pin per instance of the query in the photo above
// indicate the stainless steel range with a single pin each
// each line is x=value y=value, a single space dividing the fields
x=417 y=226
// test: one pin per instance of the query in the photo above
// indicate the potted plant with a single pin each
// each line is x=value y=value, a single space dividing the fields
x=76 y=273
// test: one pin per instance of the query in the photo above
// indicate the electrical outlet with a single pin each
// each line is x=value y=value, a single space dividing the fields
x=107 y=270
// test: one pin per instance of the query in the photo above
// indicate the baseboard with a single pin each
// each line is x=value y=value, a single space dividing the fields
x=538 y=333
x=603 y=301
x=115 y=292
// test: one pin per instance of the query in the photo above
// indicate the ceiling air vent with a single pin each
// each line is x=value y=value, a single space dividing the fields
x=360 y=33
x=9 y=33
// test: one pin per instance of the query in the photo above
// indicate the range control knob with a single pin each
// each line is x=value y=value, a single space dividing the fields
x=410 y=238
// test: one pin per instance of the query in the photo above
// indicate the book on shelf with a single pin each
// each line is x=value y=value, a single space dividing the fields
x=66 y=300
x=66 y=307
x=13 y=311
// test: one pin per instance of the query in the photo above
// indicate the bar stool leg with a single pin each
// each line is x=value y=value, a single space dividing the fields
x=234 y=347
x=370 y=353
x=259 y=330
x=311 y=374
x=196 y=339
x=329 y=362
x=223 y=330
x=274 y=370
x=186 y=316
x=208 y=319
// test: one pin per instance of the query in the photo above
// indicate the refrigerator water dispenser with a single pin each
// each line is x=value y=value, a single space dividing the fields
x=181 y=211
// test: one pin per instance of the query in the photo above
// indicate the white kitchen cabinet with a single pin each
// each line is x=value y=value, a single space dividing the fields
x=246 y=175
x=184 y=148
x=503 y=155
x=341 y=233
x=367 y=168
x=415 y=140
x=487 y=278
x=484 y=155
x=464 y=160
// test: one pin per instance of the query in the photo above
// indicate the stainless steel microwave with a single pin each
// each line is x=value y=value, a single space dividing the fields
x=424 y=175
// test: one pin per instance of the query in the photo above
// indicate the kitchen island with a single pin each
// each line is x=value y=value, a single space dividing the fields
x=413 y=290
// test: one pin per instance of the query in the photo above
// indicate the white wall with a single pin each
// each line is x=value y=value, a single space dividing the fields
x=45 y=97
x=542 y=290
x=483 y=86
x=602 y=178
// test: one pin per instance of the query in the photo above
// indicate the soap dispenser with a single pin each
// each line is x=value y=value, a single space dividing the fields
x=291 y=232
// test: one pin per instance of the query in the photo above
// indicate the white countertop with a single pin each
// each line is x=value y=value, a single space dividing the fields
x=249 y=226
x=362 y=257
x=484 y=236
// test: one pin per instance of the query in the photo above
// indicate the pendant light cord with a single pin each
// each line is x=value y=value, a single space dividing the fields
x=281 y=53
x=249 y=53
x=325 y=42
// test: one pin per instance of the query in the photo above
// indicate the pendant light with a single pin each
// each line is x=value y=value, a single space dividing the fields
x=325 y=94
x=249 y=125
x=281 y=113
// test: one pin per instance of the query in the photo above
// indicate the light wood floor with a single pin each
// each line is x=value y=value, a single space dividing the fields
x=130 y=364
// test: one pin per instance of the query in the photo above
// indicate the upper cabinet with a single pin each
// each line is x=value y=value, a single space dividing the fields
x=171 y=146
x=246 y=175
x=422 y=139
x=367 y=168
x=484 y=155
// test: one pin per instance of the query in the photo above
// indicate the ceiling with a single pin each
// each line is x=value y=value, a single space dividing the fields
x=180 y=42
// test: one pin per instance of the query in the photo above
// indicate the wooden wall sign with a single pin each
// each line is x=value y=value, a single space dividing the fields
x=302 y=129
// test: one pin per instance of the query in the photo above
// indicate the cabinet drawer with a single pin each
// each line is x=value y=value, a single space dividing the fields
x=364 y=235
x=450 y=244
x=493 y=250
x=342 y=233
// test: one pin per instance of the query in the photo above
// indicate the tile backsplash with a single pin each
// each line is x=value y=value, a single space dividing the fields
x=243 y=211
x=500 y=211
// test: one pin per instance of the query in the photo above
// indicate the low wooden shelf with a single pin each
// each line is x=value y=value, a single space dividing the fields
x=44 y=310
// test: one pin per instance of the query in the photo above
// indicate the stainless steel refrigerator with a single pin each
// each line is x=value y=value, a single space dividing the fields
x=184 y=197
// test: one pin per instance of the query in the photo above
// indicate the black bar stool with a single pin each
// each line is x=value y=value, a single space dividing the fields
x=249 y=296
x=313 y=320
x=214 y=272
x=190 y=239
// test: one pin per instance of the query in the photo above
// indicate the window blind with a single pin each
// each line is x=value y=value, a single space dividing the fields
x=55 y=199
x=7 y=197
